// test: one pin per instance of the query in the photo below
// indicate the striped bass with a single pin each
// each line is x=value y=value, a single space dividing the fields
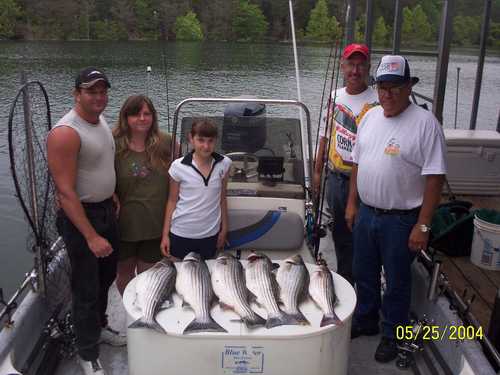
x=262 y=283
x=228 y=282
x=153 y=290
x=293 y=280
x=322 y=291
x=194 y=287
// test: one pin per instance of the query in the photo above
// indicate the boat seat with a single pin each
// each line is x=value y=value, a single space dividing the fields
x=264 y=230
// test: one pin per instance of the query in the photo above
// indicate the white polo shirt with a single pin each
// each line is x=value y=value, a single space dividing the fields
x=394 y=154
x=198 y=212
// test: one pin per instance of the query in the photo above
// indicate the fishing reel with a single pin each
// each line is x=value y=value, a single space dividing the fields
x=412 y=343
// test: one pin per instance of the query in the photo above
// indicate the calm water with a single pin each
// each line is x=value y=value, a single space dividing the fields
x=209 y=69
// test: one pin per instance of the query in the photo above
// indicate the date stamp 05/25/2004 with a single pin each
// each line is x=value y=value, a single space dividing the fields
x=439 y=333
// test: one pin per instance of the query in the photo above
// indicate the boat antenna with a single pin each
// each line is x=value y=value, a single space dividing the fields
x=164 y=40
x=299 y=98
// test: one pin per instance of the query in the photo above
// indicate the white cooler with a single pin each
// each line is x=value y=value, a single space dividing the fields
x=291 y=350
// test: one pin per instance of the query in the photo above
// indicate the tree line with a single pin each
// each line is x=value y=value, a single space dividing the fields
x=233 y=20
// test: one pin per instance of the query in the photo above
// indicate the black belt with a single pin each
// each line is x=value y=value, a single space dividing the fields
x=383 y=211
x=96 y=205
x=340 y=174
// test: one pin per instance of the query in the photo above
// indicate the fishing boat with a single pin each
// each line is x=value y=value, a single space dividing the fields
x=271 y=209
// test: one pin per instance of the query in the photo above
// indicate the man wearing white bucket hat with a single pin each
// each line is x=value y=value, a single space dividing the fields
x=398 y=172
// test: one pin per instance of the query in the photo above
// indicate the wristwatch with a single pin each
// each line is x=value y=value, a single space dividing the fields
x=424 y=228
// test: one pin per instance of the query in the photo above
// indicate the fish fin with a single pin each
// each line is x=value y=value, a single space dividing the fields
x=254 y=321
x=282 y=319
x=224 y=306
x=330 y=319
x=141 y=323
x=199 y=326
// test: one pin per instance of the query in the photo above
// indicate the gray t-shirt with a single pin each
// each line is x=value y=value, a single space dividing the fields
x=395 y=153
x=95 y=177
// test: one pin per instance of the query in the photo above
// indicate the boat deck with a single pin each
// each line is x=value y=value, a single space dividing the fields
x=468 y=278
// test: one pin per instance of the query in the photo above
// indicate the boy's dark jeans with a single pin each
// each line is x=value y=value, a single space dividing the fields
x=91 y=277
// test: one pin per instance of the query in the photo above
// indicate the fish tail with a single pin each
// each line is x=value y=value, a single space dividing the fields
x=330 y=319
x=300 y=318
x=254 y=320
x=142 y=323
x=282 y=319
x=202 y=326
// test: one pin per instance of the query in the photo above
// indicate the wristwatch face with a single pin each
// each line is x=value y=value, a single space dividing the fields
x=424 y=228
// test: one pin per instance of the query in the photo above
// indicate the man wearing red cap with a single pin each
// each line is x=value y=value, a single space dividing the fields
x=349 y=105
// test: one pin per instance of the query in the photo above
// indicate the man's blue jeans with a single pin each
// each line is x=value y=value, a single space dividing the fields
x=382 y=240
x=337 y=193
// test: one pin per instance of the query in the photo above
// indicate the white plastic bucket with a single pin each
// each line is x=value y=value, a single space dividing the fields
x=485 y=251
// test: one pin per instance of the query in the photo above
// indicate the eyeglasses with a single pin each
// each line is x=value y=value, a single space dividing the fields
x=351 y=66
x=393 y=90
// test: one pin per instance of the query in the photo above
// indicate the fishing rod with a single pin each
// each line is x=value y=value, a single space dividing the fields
x=323 y=96
x=327 y=134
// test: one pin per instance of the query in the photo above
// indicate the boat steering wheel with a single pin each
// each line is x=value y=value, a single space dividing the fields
x=245 y=170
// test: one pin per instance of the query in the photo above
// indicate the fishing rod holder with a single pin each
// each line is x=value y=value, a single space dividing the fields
x=8 y=310
x=413 y=343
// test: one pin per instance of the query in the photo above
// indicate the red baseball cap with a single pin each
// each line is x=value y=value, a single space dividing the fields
x=355 y=47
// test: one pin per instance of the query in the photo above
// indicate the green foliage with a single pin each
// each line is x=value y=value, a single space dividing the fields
x=380 y=32
x=234 y=19
x=108 y=30
x=466 y=30
x=359 y=30
x=321 y=27
x=9 y=12
x=249 y=22
x=494 y=39
x=146 y=22
x=416 y=27
x=188 y=27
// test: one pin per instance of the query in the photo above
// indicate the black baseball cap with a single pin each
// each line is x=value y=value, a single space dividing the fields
x=88 y=77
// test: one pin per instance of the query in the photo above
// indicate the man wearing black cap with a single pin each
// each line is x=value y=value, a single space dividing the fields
x=398 y=172
x=81 y=152
x=351 y=103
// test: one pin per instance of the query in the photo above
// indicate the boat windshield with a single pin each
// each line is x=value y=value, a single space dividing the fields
x=266 y=152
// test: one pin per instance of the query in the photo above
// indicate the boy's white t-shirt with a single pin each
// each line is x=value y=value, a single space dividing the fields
x=394 y=154
x=198 y=210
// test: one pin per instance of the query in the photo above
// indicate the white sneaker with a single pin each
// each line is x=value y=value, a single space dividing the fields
x=111 y=337
x=91 y=367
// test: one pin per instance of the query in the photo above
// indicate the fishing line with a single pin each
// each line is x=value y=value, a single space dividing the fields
x=165 y=71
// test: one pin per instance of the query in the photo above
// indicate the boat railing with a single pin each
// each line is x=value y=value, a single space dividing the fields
x=30 y=282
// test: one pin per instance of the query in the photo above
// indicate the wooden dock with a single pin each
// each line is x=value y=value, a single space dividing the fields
x=467 y=277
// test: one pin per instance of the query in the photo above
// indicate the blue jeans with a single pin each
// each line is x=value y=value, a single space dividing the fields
x=337 y=191
x=382 y=240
